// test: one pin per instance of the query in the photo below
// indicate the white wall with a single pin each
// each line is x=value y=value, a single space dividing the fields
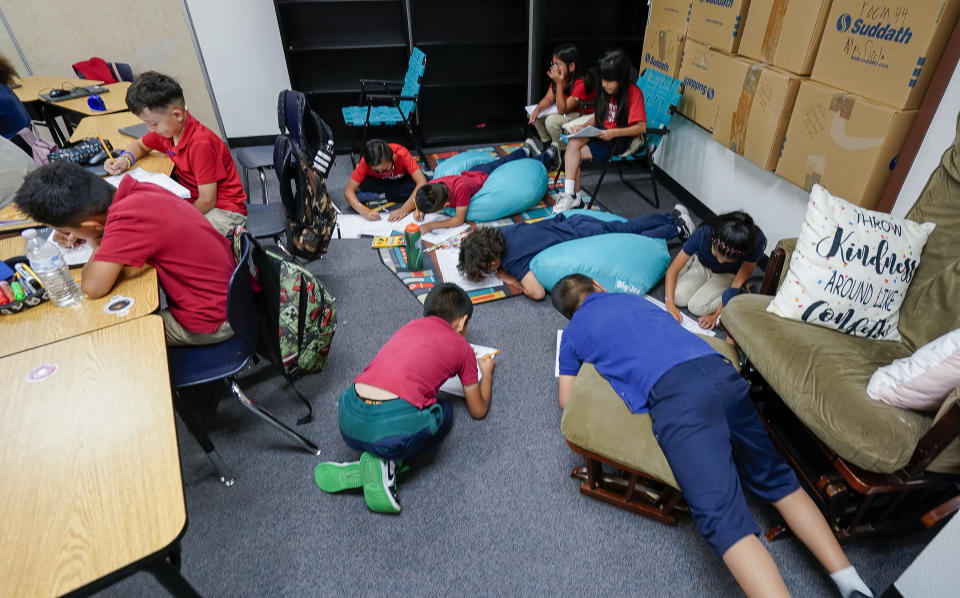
x=241 y=47
x=934 y=572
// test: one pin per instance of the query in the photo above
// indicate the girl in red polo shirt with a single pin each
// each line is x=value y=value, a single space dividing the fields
x=569 y=90
x=386 y=168
x=619 y=109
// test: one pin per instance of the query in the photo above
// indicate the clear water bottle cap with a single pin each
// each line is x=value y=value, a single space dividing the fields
x=29 y=233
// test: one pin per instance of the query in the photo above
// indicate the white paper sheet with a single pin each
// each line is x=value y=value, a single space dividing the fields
x=551 y=109
x=587 y=131
x=556 y=371
x=453 y=385
x=77 y=255
x=447 y=260
x=354 y=226
x=688 y=322
x=440 y=235
x=157 y=178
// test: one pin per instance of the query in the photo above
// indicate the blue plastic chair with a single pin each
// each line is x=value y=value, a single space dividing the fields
x=198 y=364
x=661 y=95
x=379 y=106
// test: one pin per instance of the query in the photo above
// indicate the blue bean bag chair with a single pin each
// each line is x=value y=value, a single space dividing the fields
x=620 y=262
x=512 y=188
x=462 y=161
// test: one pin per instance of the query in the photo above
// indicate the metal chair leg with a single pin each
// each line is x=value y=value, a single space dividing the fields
x=416 y=140
x=200 y=435
x=596 y=190
x=263 y=182
x=270 y=419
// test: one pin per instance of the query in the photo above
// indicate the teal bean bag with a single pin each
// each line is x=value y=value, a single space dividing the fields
x=462 y=161
x=620 y=262
x=512 y=188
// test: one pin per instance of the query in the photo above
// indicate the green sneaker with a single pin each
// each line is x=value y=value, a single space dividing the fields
x=379 y=483
x=334 y=477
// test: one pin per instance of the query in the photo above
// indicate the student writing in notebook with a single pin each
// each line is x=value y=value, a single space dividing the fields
x=386 y=168
x=203 y=162
x=569 y=89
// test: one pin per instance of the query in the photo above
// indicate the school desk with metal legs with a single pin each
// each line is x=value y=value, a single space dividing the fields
x=109 y=125
x=92 y=488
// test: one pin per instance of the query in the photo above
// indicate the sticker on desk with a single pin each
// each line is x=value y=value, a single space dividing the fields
x=41 y=372
x=118 y=305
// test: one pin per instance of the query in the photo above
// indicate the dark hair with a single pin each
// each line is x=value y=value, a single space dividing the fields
x=569 y=293
x=63 y=194
x=478 y=249
x=7 y=72
x=613 y=66
x=449 y=302
x=376 y=151
x=569 y=53
x=153 y=91
x=431 y=197
x=733 y=234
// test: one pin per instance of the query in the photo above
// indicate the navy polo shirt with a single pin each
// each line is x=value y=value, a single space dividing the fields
x=630 y=341
x=524 y=241
x=699 y=244
x=13 y=114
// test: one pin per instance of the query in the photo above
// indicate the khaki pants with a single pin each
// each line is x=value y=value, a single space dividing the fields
x=699 y=289
x=225 y=221
x=176 y=334
x=549 y=127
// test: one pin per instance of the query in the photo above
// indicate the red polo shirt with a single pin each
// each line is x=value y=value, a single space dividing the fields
x=148 y=224
x=202 y=158
x=579 y=91
x=462 y=186
x=635 y=109
x=403 y=164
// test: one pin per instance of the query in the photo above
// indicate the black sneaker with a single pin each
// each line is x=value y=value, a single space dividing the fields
x=551 y=158
x=532 y=147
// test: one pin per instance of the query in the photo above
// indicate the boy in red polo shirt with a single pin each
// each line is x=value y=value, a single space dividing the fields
x=137 y=224
x=386 y=168
x=202 y=160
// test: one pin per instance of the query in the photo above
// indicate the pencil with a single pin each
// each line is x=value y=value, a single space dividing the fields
x=386 y=205
x=490 y=355
x=103 y=143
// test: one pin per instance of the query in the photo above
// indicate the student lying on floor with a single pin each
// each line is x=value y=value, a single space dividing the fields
x=508 y=250
x=705 y=424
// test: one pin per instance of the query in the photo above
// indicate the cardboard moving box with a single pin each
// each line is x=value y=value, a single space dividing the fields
x=670 y=14
x=701 y=71
x=884 y=50
x=785 y=33
x=662 y=50
x=846 y=143
x=754 y=110
x=718 y=23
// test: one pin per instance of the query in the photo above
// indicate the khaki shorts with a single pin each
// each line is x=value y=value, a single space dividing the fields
x=176 y=334
x=225 y=221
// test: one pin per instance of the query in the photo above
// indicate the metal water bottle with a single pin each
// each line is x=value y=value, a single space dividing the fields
x=412 y=246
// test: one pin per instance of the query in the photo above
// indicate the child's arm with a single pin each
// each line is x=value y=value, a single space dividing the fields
x=350 y=194
x=408 y=206
x=709 y=321
x=631 y=131
x=566 y=386
x=456 y=220
x=548 y=98
x=121 y=162
x=590 y=121
x=478 y=395
x=206 y=197
x=529 y=284
x=670 y=283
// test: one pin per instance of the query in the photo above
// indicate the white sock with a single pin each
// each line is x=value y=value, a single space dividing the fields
x=848 y=580
x=569 y=186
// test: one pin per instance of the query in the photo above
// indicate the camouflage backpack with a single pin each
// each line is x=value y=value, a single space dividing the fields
x=300 y=318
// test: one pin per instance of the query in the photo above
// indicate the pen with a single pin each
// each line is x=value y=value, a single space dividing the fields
x=103 y=143
x=490 y=355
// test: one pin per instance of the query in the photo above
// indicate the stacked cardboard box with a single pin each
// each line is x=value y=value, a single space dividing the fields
x=755 y=105
x=718 y=23
x=672 y=15
x=662 y=50
x=702 y=71
x=785 y=33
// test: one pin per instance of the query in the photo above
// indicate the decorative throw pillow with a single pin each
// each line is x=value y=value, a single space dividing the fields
x=923 y=380
x=851 y=268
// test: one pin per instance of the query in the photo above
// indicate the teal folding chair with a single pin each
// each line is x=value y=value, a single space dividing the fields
x=381 y=106
x=661 y=95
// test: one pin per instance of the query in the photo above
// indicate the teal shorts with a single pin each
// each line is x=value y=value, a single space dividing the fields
x=392 y=429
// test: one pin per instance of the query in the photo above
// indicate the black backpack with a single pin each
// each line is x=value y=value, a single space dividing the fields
x=302 y=158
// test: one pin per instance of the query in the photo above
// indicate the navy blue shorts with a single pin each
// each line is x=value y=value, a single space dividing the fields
x=709 y=430
x=600 y=149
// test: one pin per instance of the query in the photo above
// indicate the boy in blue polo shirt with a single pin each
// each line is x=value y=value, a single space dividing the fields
x=705 y=424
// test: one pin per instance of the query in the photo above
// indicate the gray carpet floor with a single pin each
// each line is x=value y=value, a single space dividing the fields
x=491 y=512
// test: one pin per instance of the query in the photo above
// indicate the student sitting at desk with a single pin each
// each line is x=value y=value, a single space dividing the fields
x=386 y=168
x=457 y=190
x=137 y=224
x=203 y=162
x=508 y=250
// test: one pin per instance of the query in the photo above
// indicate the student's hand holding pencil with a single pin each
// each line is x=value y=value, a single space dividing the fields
x=486 y=366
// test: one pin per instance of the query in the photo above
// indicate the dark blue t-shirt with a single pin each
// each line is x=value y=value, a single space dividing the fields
x=630 y=341
x=699 y=245
x=526 y=240
x=13 y=115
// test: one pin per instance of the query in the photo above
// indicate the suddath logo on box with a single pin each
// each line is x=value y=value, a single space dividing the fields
x=882 y=31
x=649 y=59
x=699 y=87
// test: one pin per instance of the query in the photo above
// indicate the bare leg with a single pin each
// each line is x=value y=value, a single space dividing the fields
x=806 y=521
x=571 y=163
x=754 y=569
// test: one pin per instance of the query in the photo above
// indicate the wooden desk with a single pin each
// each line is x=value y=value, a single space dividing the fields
x=46 y=323
x=13 y=220
x=109 y=127
x=92 y=484
x=31 y=87
x=115 y=100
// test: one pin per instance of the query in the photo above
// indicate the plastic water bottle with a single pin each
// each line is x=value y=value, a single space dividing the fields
x=48 y=263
